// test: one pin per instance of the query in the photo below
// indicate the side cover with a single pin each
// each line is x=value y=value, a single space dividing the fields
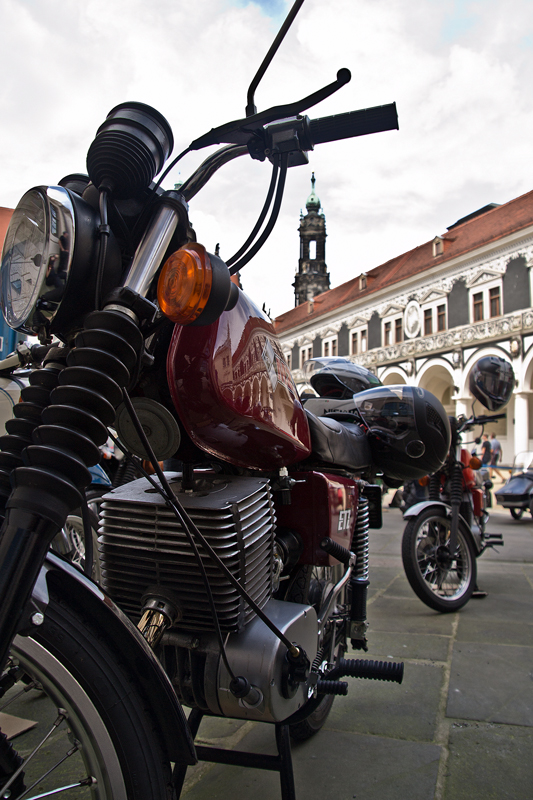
x=234 y=392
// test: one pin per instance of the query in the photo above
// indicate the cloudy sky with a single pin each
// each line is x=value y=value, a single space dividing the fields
x=460 y=71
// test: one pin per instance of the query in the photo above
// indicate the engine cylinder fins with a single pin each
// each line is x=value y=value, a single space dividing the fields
x=160 y=427
x=143 y=544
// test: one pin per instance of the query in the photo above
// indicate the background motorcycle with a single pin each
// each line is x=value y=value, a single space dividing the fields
x=246 y=572
x=517 y=493
x=445 y=534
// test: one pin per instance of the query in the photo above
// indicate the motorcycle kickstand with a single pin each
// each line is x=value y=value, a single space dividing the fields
x=281 y=763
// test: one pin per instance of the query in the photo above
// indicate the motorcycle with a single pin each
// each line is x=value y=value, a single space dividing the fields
x=234 y=584
x=445 y=534
x=517 y=493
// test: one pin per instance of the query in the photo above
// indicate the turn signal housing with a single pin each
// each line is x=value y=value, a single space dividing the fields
x=194 y=287
x=474 y=463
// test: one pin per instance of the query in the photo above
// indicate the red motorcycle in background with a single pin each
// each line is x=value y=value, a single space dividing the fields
x=445 y=534
x=234 y=583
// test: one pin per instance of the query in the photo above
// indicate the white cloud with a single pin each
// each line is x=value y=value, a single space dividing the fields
x=461 y=74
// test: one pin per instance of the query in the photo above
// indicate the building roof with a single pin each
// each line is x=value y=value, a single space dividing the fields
x=463 y=238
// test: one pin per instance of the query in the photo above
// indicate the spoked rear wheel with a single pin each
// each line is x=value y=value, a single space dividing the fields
x=94 y=736
x=443 y=581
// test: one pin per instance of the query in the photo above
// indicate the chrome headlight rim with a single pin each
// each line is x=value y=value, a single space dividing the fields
x=42 y=287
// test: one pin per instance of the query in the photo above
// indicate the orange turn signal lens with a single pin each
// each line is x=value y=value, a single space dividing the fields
x=474 y=463
x=423 y=481
x=185 y=284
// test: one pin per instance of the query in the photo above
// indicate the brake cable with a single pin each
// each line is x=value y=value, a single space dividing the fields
x=284 y=160
x=260 y=219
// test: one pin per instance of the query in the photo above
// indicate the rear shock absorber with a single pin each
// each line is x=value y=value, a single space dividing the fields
x=456 y=497
x=359 y=578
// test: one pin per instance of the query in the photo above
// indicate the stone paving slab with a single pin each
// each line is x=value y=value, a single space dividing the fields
x=405 y=711
x=407 y=615
x=492 y=683
x=339 y=766
x=489 y=761
x=400 y=646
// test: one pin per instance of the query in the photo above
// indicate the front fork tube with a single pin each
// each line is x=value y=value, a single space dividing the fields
x=24 y=543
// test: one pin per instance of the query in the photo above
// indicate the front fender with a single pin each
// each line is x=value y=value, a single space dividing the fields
x=74 y=587
x=418 y=508
x=446 y=511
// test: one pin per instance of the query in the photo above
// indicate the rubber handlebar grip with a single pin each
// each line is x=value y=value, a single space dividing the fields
x=354 y=123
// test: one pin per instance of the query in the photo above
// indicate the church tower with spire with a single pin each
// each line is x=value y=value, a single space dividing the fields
x=312 y=277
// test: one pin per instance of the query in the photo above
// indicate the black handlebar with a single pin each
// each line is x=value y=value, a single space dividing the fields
x=464 y=423
x=354 y=123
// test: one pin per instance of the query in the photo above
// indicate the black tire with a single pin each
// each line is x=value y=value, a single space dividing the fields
x=517 y=513
x=300 y=731
x=322 y=579
x=79 y=671
x=442 y=582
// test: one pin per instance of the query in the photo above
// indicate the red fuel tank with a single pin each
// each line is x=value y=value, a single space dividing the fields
x=234 y=392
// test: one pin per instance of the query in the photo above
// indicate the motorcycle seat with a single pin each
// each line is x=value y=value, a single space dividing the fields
x=341 y=443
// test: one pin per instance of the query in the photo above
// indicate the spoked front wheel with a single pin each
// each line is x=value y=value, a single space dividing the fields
x=95 y=737
x=443 y=580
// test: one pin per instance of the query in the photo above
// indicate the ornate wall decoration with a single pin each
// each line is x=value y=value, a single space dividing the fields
x=412 y=319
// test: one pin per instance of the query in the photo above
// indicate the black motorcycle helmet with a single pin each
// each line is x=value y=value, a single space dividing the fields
x=409 y=431
x=492 y=382
x=338 y=378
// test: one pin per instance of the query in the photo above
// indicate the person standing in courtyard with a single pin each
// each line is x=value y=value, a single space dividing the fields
x=486 y=452
x=495 y=450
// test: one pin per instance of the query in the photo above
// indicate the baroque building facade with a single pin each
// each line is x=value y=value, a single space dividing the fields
x=425 y=317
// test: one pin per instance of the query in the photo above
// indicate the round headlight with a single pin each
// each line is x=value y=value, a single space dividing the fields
x=36 y=257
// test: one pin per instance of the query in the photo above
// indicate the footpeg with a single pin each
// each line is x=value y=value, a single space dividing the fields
x=496 y=536
x=332 y=687
x=363 y=668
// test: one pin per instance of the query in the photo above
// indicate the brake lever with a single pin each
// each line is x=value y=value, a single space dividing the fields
x=241 y=131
